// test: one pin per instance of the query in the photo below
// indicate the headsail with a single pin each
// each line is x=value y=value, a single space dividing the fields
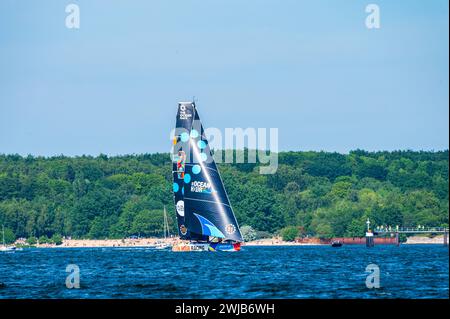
x=198 y=187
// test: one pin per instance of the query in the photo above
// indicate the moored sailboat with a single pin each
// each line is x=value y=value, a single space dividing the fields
x=164 y=244
x=4 y=247
x=206 y=221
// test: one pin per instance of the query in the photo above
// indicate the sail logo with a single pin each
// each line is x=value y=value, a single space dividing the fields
x=183 y=230
x=201 y=187
x=180 y=208
x=181 y=162
x=183 y=114
x=230 y=229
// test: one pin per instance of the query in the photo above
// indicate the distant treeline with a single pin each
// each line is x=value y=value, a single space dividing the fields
x=324 y=194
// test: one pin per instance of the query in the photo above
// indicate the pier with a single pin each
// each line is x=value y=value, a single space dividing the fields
x=412 y=230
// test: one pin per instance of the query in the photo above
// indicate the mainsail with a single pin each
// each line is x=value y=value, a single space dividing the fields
x=203 y=208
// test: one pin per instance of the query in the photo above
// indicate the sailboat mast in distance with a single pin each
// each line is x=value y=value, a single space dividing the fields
x=166 y=224
x=204 y=212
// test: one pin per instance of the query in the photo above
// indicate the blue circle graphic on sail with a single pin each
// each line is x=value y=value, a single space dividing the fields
x=196 y=169
x=184 y=137
x=187 y=178
x=175 y=187
x=203 y=157
x=194 y=134
x=201 y=144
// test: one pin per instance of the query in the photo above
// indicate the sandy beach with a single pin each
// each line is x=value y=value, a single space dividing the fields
x=93 y=243
x=149 y=242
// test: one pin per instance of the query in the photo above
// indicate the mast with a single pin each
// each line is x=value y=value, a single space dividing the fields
x=165 y=222
x=3 y=231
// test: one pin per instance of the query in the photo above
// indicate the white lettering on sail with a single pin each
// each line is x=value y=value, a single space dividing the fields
x=183 y=114
x=201 y=187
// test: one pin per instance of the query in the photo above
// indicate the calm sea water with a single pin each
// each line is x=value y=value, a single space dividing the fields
x=255 y=272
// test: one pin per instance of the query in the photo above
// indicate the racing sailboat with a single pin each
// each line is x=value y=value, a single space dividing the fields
x=206 y=221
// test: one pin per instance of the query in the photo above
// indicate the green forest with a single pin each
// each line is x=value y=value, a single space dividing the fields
x=321 y=194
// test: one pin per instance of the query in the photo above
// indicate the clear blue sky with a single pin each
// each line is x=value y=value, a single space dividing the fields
x=310 y=68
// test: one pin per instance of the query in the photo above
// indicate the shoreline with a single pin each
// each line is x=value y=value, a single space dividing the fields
x=151 y=242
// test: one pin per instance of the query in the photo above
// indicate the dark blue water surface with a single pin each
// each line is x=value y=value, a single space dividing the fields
x=419 y=271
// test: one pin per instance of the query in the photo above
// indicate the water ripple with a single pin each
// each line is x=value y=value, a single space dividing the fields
x=256 y=272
